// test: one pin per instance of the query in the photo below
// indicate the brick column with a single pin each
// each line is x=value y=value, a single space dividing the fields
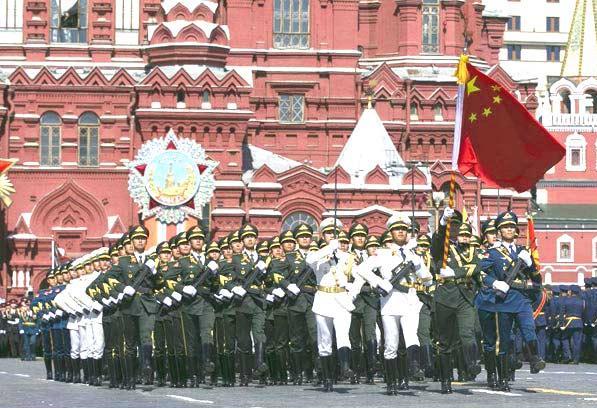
x=452 y=26
x=409 y=31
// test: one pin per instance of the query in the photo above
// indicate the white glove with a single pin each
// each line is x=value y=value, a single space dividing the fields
x=59 y=313
x=120 y=297
x=106 y=302
x=501 y=286
x=219 y=297
x=446 y=272
x=21 y=331
x=334 y=244
x=348 y=286
x=226 y=293
x=294 y=289
x=526 y=257
x=167 y=301
x=51 y=315
x=112 y=300
x=279 y=293
x=448 y=213
x=189 y=290
x=213 y=266
x=270 y=298
x=129 y=290
x=176 y=296
x=385 y=285
x=151 y=264
x=261 y=265
x=239 y=291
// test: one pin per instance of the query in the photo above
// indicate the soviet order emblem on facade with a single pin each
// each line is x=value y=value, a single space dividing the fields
x=171 y=178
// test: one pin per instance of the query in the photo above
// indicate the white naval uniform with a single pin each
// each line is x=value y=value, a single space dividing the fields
x=95 y=326
x=398 y=309
x=65 y=302
x=332 y=310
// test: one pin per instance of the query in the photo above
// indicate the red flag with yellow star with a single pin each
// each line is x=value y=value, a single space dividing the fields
x=501 y=142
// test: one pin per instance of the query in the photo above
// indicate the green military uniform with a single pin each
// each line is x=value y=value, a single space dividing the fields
x=278 y=271
x=250 y=312
x=137 y=282
x=454 y=309
x=425 y=295
x=301 y=320
x=226 y=319
x=364 y=316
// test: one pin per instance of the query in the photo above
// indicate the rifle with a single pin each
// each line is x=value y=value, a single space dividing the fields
x=398 y=273
x=249 y=281
x=300 y=281
x=512 y=273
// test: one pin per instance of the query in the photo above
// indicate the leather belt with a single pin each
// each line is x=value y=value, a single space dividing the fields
x=331 y=289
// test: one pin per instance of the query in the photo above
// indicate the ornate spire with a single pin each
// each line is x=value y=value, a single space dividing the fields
x=581 y=48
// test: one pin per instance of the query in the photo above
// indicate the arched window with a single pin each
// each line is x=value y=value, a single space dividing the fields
x=296 y=218
x=206 y=99
x=576 y=147
x=591 y=102
x=565 y=106
x=49 y=143
x=431 y=26
x=88 y=139
x=437 y=112
x=291 y=23
x=565 y=248
x=414 y=111
x=68 y=21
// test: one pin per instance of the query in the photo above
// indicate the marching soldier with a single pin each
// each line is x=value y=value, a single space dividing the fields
x=499 y=303
x=332 y=303
x=136 y=274
x=574 y=307
x=364 y=317
x=400 y=305
x=453 y=297
x=425 y=294
x=301 y=320
x=250 y=271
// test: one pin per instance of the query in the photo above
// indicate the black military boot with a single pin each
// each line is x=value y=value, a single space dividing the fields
x=131 y=378
x=245 y=369
x=260 y=366
x=297 y=367
x=160 y=368
x=344 y=359
x=370 y=361
x=282 y=357
x=490 y=367
x=57 y=369
x=536 y=362
x=503 y=369
x=471 y=361
x=85 y=367
x=207 y=353
x=327 y=371
x=98 y=372
x=403 y=373
x=231 y=365
x=356 y=358
x=111 y=371
x=391 y=373
x=183 y=373
x=68 y=363
x=413 y=354
x=427 y=360
x=48 y=364
x=446 y=373
x=147 y=350
x=76 y=370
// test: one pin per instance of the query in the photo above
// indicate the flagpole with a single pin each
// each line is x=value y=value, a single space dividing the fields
x=462 y=76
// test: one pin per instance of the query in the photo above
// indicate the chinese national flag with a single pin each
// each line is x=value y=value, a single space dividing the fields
x=501 y=142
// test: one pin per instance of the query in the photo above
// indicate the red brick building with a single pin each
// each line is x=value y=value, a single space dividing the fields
x=274 y=90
